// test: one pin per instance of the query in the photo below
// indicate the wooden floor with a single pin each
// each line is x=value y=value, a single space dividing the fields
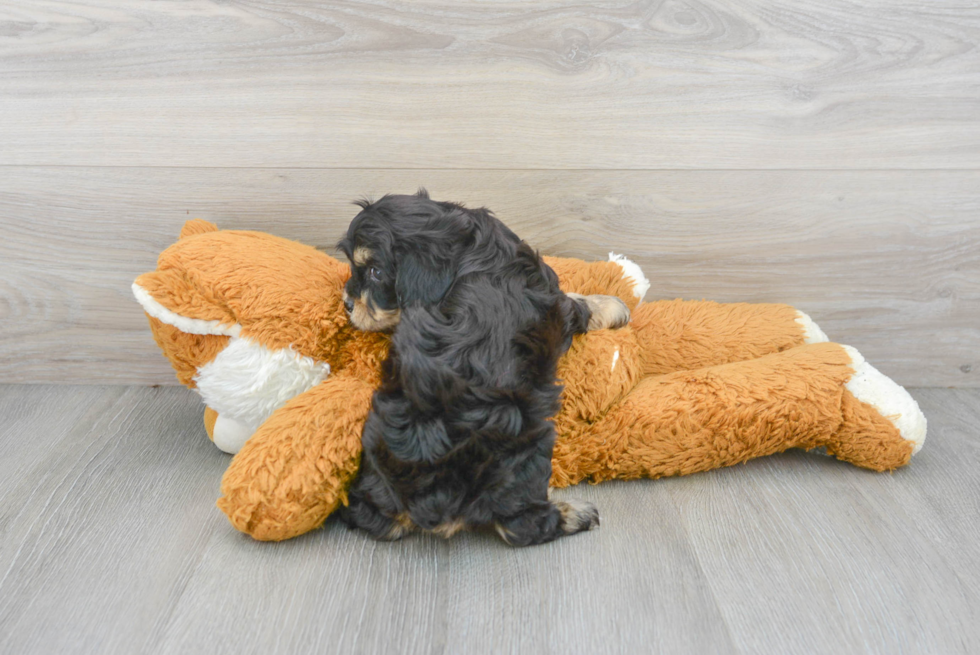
x=110 y=543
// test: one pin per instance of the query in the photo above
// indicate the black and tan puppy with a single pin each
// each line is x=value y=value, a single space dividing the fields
x=459 y=434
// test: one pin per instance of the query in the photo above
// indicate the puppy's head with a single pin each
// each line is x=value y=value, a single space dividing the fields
x=403 y=252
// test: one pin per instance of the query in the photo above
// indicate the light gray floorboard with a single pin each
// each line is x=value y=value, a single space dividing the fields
x=635 y=585
x=806 y=554
x=103 y=532
x=110 y=542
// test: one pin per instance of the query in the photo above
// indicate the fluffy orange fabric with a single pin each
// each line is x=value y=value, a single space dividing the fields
x=210 y=418
x=690 y=421
x=687 y=387
x=186 y=352
x=683 y=335
x=296 y=468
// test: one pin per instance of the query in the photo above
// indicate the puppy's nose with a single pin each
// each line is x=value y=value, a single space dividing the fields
x=348 y=305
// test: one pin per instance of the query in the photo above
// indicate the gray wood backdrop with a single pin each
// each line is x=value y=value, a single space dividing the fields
x=821 y=154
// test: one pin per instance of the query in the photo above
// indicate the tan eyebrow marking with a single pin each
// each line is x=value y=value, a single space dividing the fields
x=361 y=255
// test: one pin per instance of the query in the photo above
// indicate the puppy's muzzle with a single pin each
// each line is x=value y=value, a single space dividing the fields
x=348 y=303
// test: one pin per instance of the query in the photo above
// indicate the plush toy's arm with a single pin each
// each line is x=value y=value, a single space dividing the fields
x=678 y=335
x=296 y=468
x=617 y=277
x=819 y=395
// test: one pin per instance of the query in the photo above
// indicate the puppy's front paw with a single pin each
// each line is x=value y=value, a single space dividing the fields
x=577 y=516
x=607 y=312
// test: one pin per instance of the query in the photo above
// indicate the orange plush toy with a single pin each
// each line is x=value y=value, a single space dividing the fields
x=255 y=324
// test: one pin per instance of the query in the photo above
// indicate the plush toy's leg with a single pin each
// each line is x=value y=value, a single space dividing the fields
x=297 y=466
x=819 y=395
x=676 y=335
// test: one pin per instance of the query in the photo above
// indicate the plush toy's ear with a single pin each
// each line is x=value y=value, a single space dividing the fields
x=197 y=226
x=421 y=279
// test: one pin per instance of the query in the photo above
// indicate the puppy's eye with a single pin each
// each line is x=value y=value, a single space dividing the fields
x=374 y=273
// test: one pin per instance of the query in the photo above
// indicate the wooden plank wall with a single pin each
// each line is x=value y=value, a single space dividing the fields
x=821 y=154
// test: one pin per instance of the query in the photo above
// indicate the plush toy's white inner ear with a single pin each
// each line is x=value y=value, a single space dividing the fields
x=632 y=271
x=247 y=381
x=892 y=401
x=182 y=323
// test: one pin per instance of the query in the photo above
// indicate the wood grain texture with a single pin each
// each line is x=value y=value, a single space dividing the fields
x=456 y=84
x=606 y=594
x=338 y=591
x=88 y=561
x=883 y=260
x=110 y=543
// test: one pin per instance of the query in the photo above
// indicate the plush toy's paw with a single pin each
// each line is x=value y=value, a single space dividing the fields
x=230 y=435
x=616 y=277
x=604 y=311
x=891 y=400
x=811 y=331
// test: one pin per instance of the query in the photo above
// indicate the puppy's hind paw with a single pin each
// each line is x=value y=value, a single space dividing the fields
x=577 y=516
x=543 y=522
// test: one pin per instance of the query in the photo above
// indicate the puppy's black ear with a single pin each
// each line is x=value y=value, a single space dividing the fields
x=422 y=280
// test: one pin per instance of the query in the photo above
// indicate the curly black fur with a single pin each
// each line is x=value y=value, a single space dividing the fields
x=459 y=434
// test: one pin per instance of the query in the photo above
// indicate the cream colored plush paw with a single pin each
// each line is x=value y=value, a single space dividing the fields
x=891 y=400
x=230 y=435
x=811 y=331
